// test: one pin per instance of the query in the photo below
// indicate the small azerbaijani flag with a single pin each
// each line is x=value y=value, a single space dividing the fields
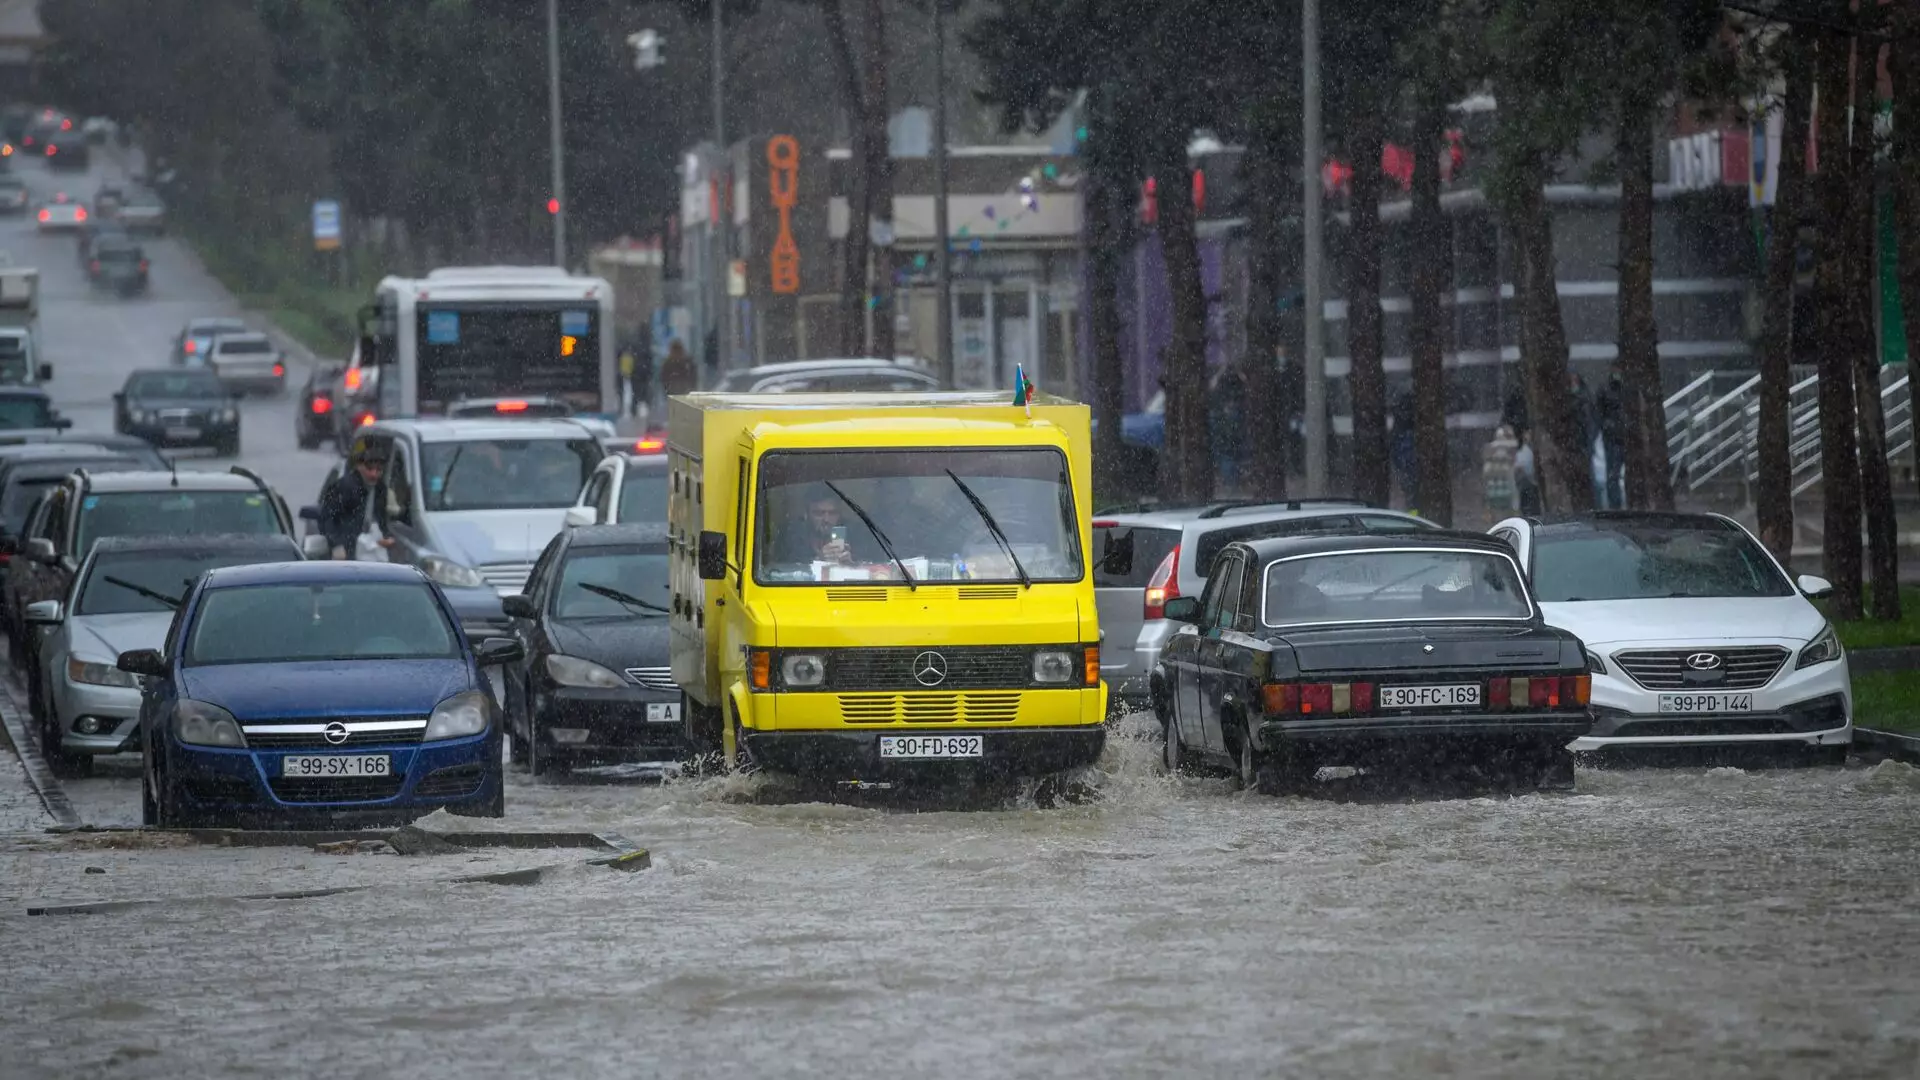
x=1022 y=389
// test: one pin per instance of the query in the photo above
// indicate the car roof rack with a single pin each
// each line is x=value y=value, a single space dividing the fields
x=1221 y=509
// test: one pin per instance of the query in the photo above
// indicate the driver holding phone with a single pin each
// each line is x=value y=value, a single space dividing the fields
x=826 y=532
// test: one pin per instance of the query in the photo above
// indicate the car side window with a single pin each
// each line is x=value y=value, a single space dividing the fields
x=400 y=486
x=1247 y=619
x=1231 y=566
x=56 y=522
x=603 y=497
x=1210 y=601
x=538 y=587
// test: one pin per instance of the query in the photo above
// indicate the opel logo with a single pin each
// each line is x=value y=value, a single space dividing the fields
x=929 y=669
x=335 y=732
x=1704 y=661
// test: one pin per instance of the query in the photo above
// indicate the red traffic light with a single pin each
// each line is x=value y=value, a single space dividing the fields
x=553 y=206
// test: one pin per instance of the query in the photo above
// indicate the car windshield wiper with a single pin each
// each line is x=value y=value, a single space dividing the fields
x=151 y=594
x=652 y=610
x=885 y=544
x=992 y=527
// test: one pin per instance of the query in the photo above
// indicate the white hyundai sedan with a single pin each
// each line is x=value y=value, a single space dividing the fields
x=1695 y=633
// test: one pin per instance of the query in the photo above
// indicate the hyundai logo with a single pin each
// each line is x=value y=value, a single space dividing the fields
x=1704 y=661
x=335 y=732
x=929 y=669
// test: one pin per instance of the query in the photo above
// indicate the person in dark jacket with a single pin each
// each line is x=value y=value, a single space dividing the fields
x=1613 y=437
x=677 y=375
x=343 y=505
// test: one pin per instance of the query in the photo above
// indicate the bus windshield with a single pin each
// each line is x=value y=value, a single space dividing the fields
x=471 y=351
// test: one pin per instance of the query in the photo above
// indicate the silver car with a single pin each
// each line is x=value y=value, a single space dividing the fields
x=123 y=598
x=1145 y=556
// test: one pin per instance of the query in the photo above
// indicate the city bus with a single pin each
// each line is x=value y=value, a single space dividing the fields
x=485 y=332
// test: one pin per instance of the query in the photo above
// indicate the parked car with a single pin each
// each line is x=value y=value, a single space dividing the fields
x=178 y=407
x=123 y=598
x=248 y=363
x=313 y=412
x=87 y=506
x=192 y=343
x=317 y=691
x=472 y=503
x=119 y=264
x=141 y=211
x=624 y=489
x=596 y=683
x=28 y=408
x=1147 y=555
x=827 y=376
x=1414 y=650
x=1696 y=635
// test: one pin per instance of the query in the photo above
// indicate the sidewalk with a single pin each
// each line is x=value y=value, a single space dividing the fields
x=20 y=807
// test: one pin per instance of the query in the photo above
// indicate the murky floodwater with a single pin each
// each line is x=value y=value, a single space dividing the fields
x=1660 y=922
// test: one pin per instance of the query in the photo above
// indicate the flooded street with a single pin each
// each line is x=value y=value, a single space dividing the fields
x=1706 y=922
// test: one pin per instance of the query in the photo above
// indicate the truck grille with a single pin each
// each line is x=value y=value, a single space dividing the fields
x=979 y=708
x=507 y=577
x=653 y=678
x=1745 y=668
x=968 y=667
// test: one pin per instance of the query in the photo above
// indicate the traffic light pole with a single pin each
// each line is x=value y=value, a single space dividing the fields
x=942 y=260
x=553 y=125
x=723 y=211
x=1314 y=405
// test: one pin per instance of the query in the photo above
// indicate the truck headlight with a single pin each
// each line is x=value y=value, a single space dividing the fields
x=573 y=671
x=200 y=723
x=1825 y=647
x=91 y=674
x=451 y=574
x=462 y=714
x=802 y=670
x=1053 y=666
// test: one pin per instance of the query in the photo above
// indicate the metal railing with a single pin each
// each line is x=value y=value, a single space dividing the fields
x=1713 y=427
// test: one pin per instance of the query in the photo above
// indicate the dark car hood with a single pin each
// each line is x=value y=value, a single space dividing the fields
x=615 y=643
x=327 y=688
x=1406 y=646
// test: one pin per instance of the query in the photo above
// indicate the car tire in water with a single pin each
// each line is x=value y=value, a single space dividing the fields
x=1172 y=756
x=149 y=808
x=495 y=807
x=515 y=721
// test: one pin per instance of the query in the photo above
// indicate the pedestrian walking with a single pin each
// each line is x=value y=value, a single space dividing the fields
x=1226 y=404
x=677 y=375
x=640 y=379
x=1612 y=406
x=626 y=377
x=343 y=505
x=1400 y=441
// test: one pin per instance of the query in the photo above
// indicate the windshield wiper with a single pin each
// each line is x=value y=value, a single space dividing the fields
x=623 y=598
x=151 y=594
x=992 y=527
x=885 y=544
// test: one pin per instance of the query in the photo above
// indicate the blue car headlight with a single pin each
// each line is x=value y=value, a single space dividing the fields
x=462 y=714
x=201 y=723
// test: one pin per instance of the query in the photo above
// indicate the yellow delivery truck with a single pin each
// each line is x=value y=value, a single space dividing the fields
x=885 y=587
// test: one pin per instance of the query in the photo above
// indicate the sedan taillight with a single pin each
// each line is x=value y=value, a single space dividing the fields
x=1315 y=699
x=1540 y=692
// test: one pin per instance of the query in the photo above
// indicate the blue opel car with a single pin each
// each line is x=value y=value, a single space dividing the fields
x=337 y=691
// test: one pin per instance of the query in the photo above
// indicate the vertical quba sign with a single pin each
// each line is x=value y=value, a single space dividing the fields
x=783 y=185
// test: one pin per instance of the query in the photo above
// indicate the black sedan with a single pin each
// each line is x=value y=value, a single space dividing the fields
x=1370 y=651
x=178 y=407
x=595 y=684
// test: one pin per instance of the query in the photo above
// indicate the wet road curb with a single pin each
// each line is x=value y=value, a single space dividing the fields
x=1891 y=743
x=1890 y=658
x=39 y=775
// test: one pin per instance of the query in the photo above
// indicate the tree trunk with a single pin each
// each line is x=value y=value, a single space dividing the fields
x=1432 y=263
x=1366 y=378
x=1648 y=480
x=1876 y=482
x=1773 y=492
x=1106 y=202
x=854 y=249
x=1265 y=423
x=1839 y=465
x=1904 y=65
x=878 y=166
x=1187 y=470
x=1566 y=477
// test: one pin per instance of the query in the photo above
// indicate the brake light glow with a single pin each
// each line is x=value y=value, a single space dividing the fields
x=649 y=445
x=365 y=419
x=510 y=406
x=94 y=266
x=192 y=346
x=353 y=378
x=1309 y=699
x=279 y=370
x=79 y=213
x=6 y=149
x=322 y=405
x=66 y=124
x=1548 y=692
x=52 y=149
x=46 y=215
x=143 y=266
x=1164 y=585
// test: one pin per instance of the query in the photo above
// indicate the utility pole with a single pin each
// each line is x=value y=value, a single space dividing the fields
x=723 y=220
x=1314 y=405
x=553 y=124
x=942 y=260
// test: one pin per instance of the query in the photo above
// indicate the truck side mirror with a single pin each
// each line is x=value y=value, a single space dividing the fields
x=45 y=372
x=713 y=555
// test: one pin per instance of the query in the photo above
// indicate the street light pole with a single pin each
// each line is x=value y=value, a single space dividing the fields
x=553 y=124
x=723 y=216
x=1314 y=405
x=942 y=260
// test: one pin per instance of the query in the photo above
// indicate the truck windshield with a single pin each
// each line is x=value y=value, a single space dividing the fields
x=811 y=527
x=483 y=351
x=506 y=474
